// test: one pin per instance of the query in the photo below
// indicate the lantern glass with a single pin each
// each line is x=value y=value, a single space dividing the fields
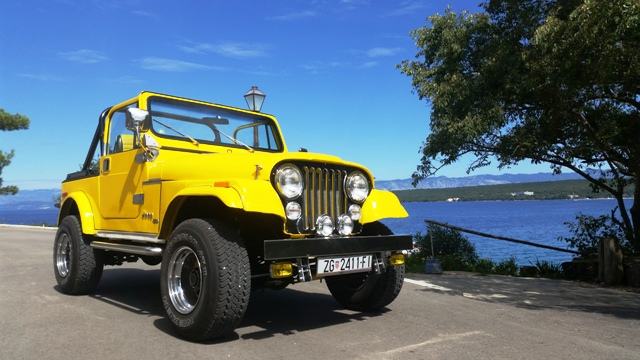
x=255 y=98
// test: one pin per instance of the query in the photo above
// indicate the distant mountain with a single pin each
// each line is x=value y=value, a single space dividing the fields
x=29 y=200
x=43 y=198
x=439 y=182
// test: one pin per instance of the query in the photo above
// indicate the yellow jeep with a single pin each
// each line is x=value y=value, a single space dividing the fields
x=212 y=193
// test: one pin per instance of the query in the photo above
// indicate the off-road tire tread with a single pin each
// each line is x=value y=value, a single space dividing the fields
x=233 y=271
x=86 y=273
x=386 y=289
x=235 y=296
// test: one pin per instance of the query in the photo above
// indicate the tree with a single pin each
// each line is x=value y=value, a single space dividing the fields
x=10 y=122
x=545 y=81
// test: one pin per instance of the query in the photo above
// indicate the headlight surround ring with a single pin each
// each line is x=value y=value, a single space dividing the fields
x=357 y=187
x=289 y=183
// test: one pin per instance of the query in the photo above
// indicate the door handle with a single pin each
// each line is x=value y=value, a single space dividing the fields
x=106 y=165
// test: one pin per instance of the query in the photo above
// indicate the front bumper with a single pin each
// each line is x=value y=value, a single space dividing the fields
x=314 y=247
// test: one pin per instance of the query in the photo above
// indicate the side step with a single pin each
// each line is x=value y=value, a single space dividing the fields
x=127 y=248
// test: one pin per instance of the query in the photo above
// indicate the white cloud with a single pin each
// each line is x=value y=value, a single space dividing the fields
x=406 y=8
x=369 y=64
x=84 y=56
x=172 y=65
x=293 y=15
x=144 y=13
x=382 y=51
x=40 y=77
x=125 y=79
x=235 y=50
x=354 y=4
x=316 y=67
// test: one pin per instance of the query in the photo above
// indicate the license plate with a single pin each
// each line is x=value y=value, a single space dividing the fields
x=343 y=264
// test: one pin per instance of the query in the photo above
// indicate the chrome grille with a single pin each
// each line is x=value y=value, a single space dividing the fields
x=323 y=194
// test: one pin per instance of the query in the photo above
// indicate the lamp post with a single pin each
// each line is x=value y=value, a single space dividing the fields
x=254 y=98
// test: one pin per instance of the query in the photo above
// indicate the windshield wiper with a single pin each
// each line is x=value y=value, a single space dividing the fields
x=194 y=141
x=220 y=120
x=236 y=141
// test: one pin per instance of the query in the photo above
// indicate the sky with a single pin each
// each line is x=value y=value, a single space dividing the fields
x=328 y=69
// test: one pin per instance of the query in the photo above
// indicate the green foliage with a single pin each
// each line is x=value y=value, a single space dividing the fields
x=414 y=263
x=587 y=232
x=484 y=266
x=454 y=250
x=10 y=122
x=542 y=191
x=5 y=159
x=506 y=267
x=548 y=269
x=544 y=81
x=457 y=253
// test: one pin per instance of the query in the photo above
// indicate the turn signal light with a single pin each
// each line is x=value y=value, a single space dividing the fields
x=396 y=259
x=281 y=270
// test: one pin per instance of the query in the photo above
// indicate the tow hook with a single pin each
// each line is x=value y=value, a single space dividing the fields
x=304 y=270
x=378 y=264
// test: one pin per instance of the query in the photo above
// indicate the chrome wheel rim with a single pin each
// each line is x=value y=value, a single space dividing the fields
x=184 y=280
x=63 y=255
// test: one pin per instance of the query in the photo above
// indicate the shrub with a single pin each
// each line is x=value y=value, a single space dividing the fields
x=484 y=266
x=414 y=263
x=587 y=232
x=454 y=263
x=507 y=267
x=548 y=269
x=454 y=250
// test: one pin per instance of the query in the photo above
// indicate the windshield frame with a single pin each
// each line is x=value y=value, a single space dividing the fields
x=264 y=118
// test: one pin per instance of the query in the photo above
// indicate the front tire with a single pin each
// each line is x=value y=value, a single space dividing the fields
x=205 y=279
x=76 y=265
x=368 y=292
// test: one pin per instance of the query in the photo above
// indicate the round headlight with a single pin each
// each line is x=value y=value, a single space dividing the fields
x=357 y=187
x=354 y=212
x=289 y=181
x=324 y=225
x=293 y=210
x=345 y=225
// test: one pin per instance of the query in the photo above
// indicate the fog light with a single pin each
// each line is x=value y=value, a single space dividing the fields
x=324 y=225
x=345 y=225
x=294 y=210
x=354 y=212
x=396 y=259
x=281 y=270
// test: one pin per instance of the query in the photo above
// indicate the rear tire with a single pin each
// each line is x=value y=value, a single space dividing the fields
x=205 y=279
x=368 y=291
x=76 y=265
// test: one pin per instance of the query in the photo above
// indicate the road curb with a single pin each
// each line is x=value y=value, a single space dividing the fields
x=32 y=227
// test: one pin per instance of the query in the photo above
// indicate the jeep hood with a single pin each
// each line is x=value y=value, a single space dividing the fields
x=235 y=164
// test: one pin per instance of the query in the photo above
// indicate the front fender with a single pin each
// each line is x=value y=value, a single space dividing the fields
x=228 y=196
x=250 y=195
x=381 y=204
x=85 y=210
x=259 y=196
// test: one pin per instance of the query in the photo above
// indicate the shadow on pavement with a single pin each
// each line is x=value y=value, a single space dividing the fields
x=134 y=290
x=270 y=312
x=533 y=293
x=289 y=311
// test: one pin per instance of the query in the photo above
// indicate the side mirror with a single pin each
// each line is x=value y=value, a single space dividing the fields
x=137 y=120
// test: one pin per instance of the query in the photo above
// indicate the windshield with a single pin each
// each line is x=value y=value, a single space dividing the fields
x=197 y=123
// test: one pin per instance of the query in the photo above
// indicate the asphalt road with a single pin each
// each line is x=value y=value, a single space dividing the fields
x=453 y=316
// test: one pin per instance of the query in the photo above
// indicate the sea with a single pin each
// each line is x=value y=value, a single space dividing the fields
x=541 y=221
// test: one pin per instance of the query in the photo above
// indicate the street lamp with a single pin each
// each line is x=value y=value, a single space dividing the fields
x=254 y=98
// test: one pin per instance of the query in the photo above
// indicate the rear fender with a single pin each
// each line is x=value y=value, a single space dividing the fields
x=85 y=211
